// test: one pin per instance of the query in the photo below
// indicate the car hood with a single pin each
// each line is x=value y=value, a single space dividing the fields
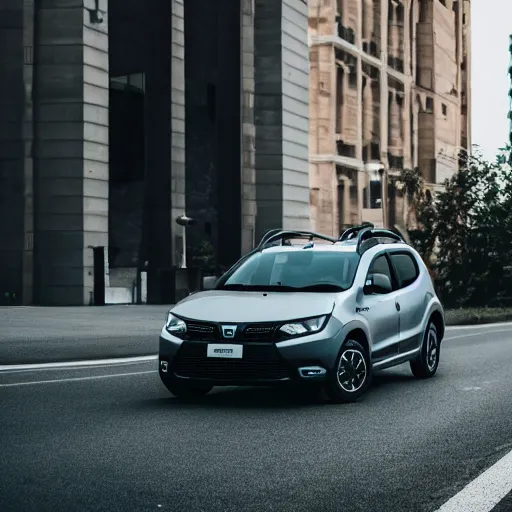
x=236 y=306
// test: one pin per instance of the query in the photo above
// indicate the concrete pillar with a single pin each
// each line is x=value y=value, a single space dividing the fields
x=367 y=112
x=394 y=30
x=16 y=194
x=281 y=114
x=178 y=206
x=71 y=148
x=395 y=122
x=359 y=31
x=367 y=19
x=248 y=128
x=384 y=89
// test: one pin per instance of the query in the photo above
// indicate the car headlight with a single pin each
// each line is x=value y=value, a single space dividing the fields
x=303 y=327
x=175 y=325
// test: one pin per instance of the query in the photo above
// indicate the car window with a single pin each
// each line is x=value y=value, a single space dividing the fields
x=406 y=268
x=296 y=268
x=380 y=265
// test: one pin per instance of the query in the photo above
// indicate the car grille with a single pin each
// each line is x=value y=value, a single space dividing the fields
x=261 y=362
x=202 y=331
x=208 y=331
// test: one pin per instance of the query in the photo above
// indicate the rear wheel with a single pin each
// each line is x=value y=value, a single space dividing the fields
x=186 y=391
x=426 y=365
x=352 y=375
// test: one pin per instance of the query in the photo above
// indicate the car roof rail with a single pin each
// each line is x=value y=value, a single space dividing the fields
x=366 y=236
x=351 y=233
x=283 y=234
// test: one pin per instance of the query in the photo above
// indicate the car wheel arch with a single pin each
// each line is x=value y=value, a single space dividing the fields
x=359 y=335
x=437 y=319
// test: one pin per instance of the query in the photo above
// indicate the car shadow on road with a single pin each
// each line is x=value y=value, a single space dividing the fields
x=243 y=398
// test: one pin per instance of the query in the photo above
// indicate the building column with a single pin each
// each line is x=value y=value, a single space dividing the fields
x=394 y=30
x=71 y=100
x=367 y=108
x=178 y=206
x=281 y=114
x=384 y=89
x=395 y=121
x=16 y=165
x=248 y=128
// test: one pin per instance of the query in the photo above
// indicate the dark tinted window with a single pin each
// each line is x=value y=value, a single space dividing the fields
x=406 y=269
x=296 y=268
x=380 y=265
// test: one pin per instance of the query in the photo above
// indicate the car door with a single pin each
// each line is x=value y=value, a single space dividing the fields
x=380 y=311
x=410 y=297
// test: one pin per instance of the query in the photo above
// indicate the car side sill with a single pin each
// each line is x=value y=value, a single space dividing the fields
x=396 y=360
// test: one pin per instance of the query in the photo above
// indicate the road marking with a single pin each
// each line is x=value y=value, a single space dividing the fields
x=475 y=334
x=478 y=326
x=486 y=491
x=74 y=379
x=78 y=364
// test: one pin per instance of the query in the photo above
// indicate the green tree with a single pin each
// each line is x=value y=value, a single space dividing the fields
x=421 y=212
x=473 y=229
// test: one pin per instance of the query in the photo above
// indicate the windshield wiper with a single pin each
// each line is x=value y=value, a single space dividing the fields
x=325 y=287
x=258 y=288
x=319 y=288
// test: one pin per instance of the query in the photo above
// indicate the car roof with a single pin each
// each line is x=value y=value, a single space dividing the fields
x=337 y=247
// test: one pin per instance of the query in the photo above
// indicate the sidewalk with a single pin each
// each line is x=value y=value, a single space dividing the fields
x=39 y=334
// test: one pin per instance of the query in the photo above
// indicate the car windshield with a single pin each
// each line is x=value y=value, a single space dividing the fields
x=306 y=270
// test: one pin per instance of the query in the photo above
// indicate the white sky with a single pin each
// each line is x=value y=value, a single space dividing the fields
x=491 y=26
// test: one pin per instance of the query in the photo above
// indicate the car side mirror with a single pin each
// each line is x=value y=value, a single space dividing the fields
x=209 y=282
x=377 y=283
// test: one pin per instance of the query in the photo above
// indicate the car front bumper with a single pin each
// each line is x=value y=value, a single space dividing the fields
x=308 y=358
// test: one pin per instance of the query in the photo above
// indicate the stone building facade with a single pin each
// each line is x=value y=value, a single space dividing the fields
x=389 y=89
x=117 y=116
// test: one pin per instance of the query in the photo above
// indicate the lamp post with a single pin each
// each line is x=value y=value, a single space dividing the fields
x=510 y=92
x=184 y=221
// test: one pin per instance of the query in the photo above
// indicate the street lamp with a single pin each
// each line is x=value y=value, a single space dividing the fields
x=184 y=221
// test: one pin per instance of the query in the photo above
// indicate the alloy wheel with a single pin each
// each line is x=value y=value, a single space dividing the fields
x=432 y=349
x=352 y=371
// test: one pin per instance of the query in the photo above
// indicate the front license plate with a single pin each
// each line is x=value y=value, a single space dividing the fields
x=225 y=351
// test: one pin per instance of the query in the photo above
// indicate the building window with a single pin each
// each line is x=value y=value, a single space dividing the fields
x=444 y=109
x=429 y=105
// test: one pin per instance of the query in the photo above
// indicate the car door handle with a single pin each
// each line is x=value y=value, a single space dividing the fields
x=397 y=306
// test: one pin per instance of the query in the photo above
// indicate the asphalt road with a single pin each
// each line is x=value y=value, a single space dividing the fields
x=38 y=335
x=113 y=439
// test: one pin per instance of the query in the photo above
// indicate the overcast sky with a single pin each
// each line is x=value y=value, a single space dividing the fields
x=491 y=26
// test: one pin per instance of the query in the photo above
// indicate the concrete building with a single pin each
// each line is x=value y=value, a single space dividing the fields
x=117 y=116
x=389 y=89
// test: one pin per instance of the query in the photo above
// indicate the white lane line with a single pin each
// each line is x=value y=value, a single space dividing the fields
x=78 y=364
x=74 y=379
x=73 y=368
x=476 y=334
x=478 y=326
x=486 y=491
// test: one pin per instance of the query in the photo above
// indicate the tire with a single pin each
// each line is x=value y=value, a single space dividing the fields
x=352 y=355
x=426 y=365
x=184 y=391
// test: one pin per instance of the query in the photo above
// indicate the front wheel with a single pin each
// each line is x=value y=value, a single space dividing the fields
x=352 y=375
x=185 y=391
x=426 y=365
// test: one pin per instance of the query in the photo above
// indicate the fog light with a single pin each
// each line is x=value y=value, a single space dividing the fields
x=164 y=365
x=312 y=371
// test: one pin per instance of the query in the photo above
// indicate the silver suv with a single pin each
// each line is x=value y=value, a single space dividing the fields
x=328 y=312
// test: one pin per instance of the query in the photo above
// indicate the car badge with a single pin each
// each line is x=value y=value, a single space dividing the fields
x=228 y=331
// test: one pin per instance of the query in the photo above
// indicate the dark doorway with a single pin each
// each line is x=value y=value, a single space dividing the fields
x=140 y=39
x=213 y=131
